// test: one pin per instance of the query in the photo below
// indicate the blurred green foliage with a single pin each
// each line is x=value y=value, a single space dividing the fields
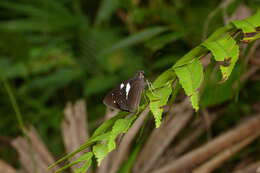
x=52 y=52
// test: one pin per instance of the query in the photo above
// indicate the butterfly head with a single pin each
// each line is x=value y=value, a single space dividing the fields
x=140 y=74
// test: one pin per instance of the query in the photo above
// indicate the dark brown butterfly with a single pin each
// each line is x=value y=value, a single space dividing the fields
x=127 y=95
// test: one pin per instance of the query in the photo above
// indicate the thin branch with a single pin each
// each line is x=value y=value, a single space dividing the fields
x=14 y=104
x=33 y=154
x=74 y=127
x=252 y=168
x=198 y=128
x=201 y=154
x=6 y=168
x=160 y=140
x=216 y=162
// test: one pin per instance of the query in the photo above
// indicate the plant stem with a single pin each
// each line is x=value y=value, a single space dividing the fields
x=14 y=104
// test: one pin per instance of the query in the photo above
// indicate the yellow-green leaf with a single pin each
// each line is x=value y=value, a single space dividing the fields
x=249 y=26
x=164 y=78
x=224 y=49
x=86 y=158
x=191 y=77
x=120 y=126
x=100 y=151
x=158 y=98
x=108 y=144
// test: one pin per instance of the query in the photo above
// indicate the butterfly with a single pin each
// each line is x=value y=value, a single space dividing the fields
x=127 y=95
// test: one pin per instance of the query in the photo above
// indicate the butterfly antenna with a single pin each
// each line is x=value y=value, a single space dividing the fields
x=150 y=86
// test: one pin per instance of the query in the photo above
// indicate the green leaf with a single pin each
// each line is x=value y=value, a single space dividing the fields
x=107 y=8
x=106 y=125
x=84 y=168
x=249 y=24
x=244 y=25
x=164 y=78
x=190 y=77
x=220 y=31
x=135 y=39
x=101 y=137
x=252 y=37
x=189 y=57
x=120 y=126
x=86 y=157
x=159 y=98
x=196 y=52
x=88 y=143
x=249 y=27
x=100 y=151
x=224 y=49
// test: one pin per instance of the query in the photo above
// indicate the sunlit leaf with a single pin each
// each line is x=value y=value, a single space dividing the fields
x=84 y=168
x=244 y=25
x=86 y=158
x=159 y=98
x=189 y=57
x=224 y=49
x=164 y=78
x=91 y=141
x=106 y=125
x=249 y=26
x=100 y=151
x=120 y=126
x=191 y=77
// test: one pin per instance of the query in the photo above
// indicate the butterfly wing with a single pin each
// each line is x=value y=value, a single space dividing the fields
x=134 y=91
x=110 y=99
x=127 y=95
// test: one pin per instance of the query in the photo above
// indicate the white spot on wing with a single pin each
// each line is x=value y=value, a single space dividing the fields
x=127 y=89
x=122 y=86
x=114 y=101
